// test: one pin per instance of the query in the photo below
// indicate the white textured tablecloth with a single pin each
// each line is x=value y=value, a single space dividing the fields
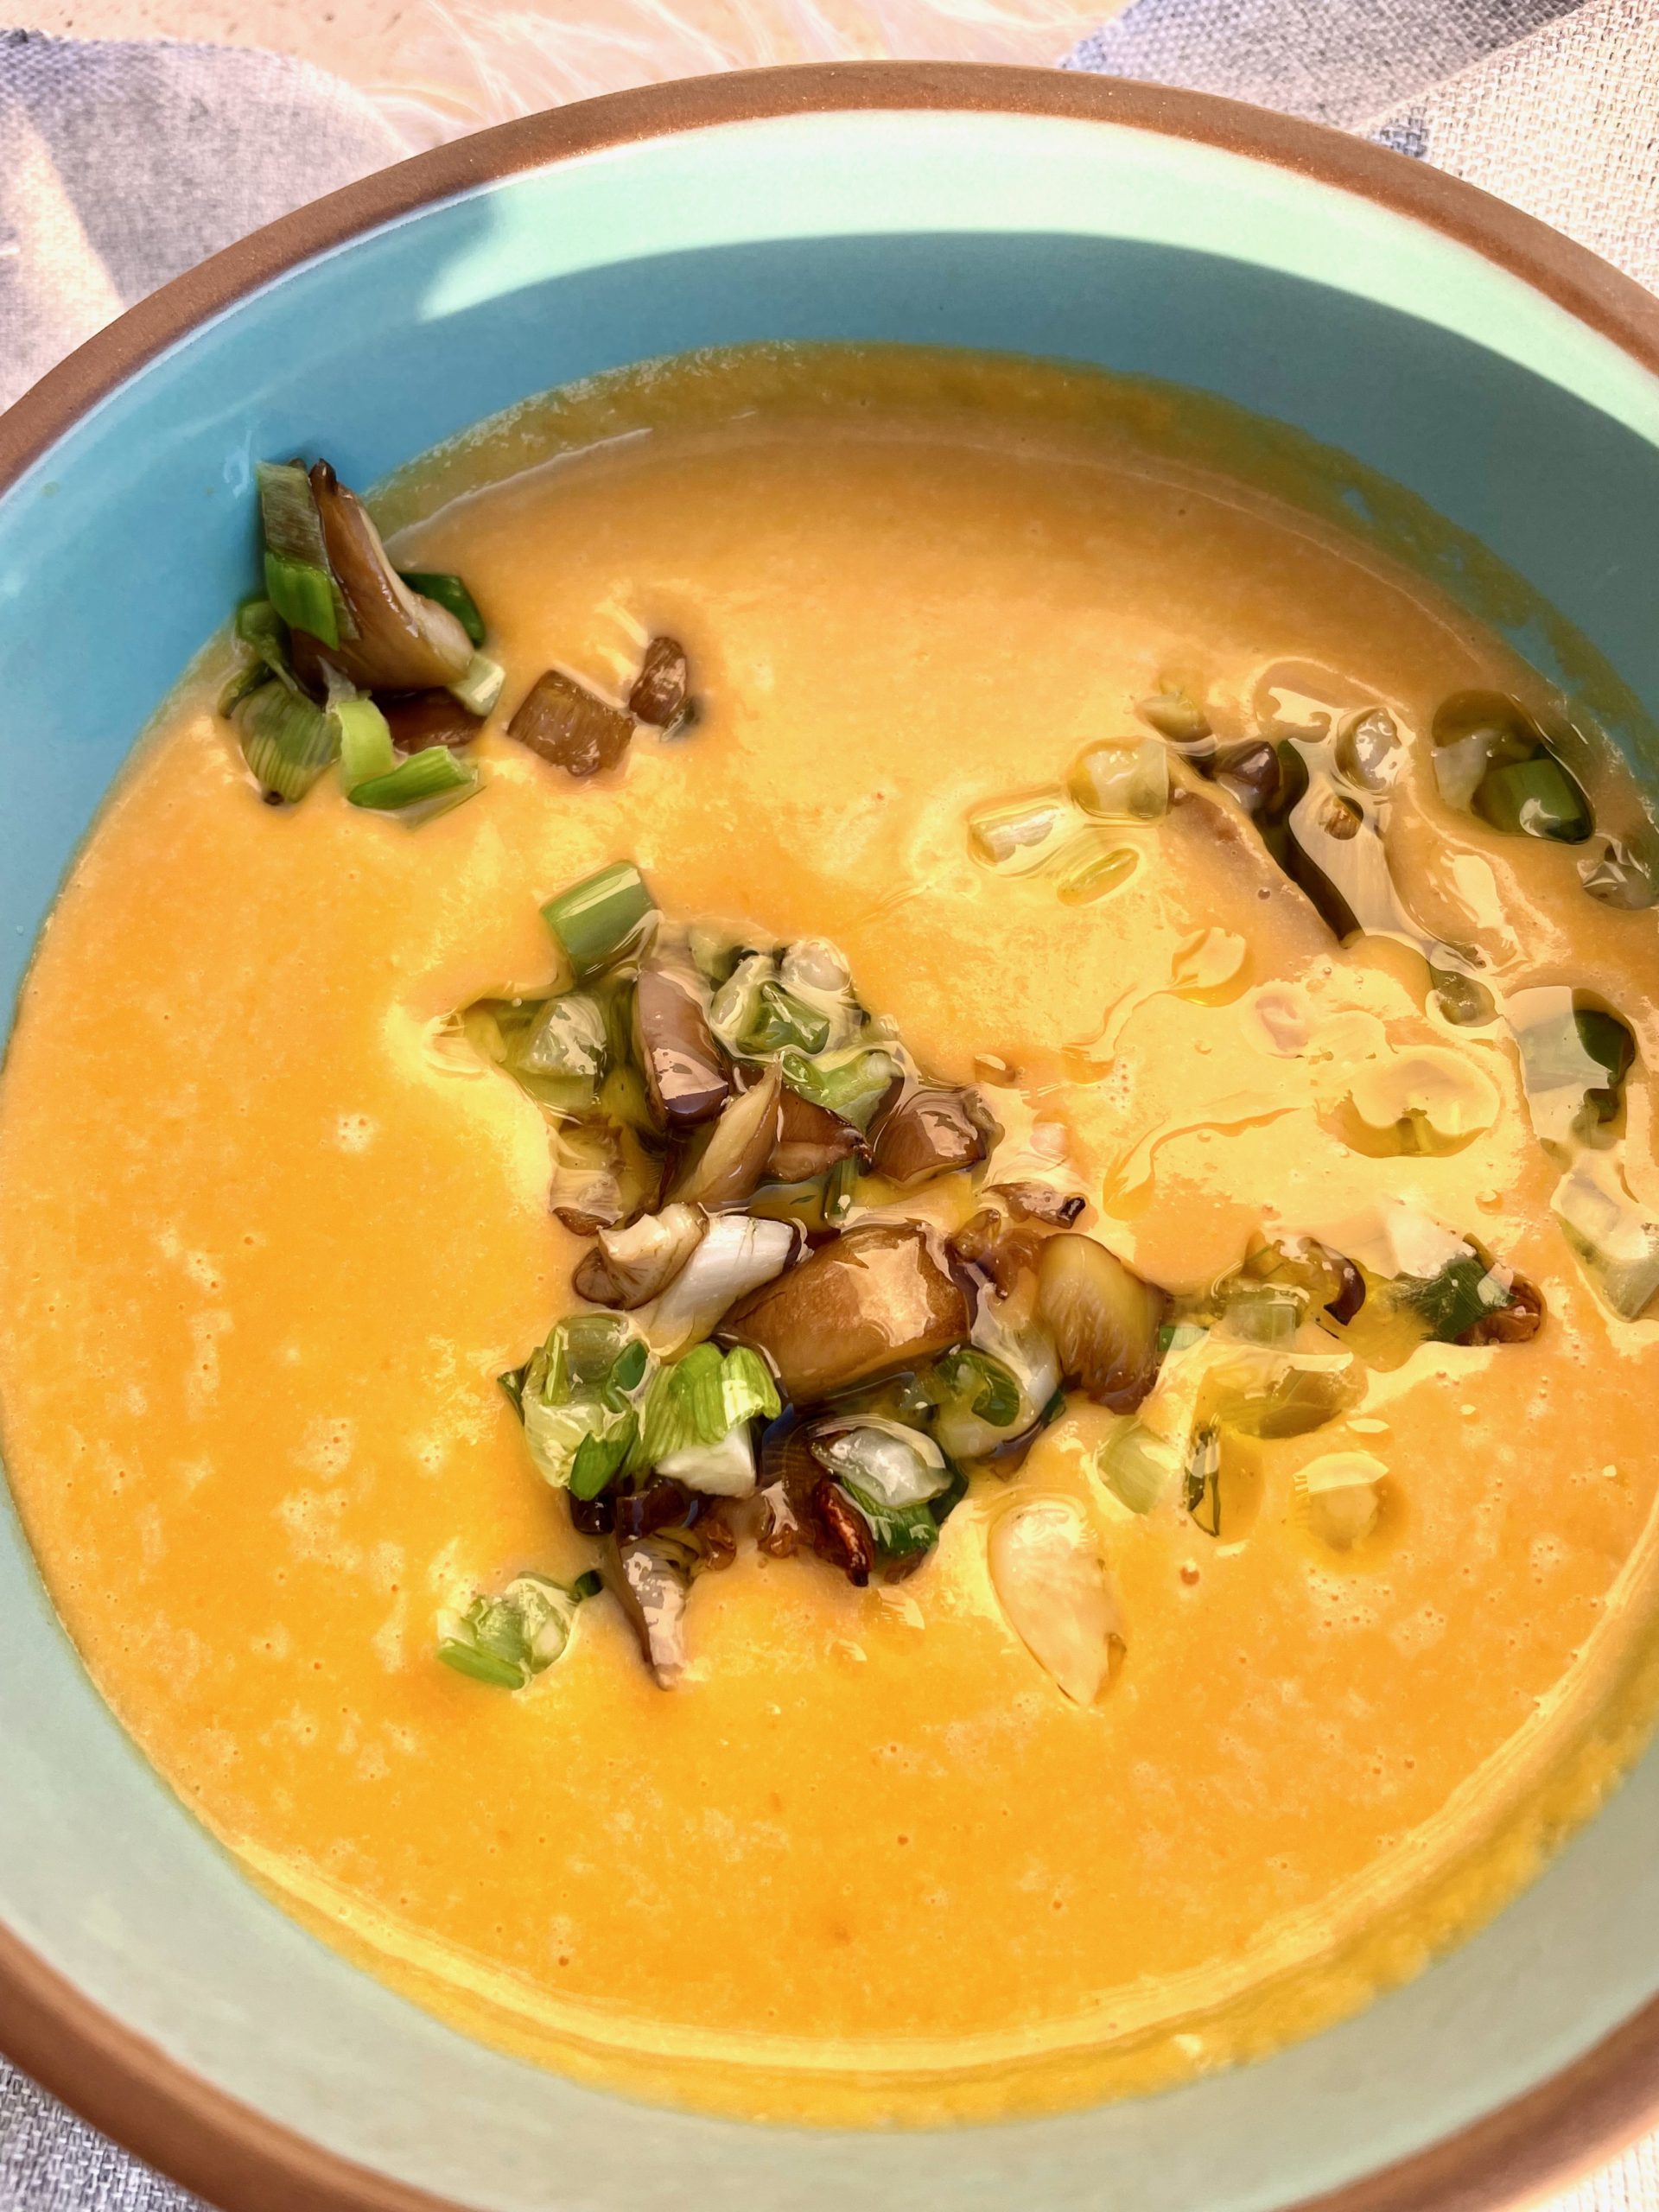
x=122 y=164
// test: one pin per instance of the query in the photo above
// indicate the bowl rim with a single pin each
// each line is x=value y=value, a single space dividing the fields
x=161 y=2110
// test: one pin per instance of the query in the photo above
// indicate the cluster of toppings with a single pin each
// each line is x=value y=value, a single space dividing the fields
x=774 y=1341
x=1320 y=800
x=346 y=661
x=774 y=1346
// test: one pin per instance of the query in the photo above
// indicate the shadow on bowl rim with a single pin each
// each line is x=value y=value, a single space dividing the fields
x=214 y=2144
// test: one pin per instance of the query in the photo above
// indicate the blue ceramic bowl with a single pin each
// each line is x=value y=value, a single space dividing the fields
x=1500 y=374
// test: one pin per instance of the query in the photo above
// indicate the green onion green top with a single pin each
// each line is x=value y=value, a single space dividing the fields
x=602 y=917
x=449 y=592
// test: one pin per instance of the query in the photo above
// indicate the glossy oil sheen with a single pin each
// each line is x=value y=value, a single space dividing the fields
x=1093 y=242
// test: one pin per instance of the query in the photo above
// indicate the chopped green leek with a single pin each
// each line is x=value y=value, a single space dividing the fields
x=1450 y=1303
x=425 y=784
x=304 y=596
x=511 y=1386
x=287 y=740
x=629 y=1372
x=584 y=1353
x=898 y=1531
x=779 y=1020
x=587 y=1585
x=296 y=554
x=600 y=1459
x=568 y=1037
x=257 y=622
x=471 y=1658
x=701 y=1398
x=990 y=1390
x=850 y=1084
x=1139 y=1468
x=365 y=747
x=600 y=918
x=1534 y=798
x=747 y=1390
x=479 y=685
x=507 y=1641
x=449 y=592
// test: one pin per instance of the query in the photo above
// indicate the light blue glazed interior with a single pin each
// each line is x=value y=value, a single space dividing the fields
x=1082 y=241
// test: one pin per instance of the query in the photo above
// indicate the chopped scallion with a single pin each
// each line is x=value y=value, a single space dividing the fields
x=507 y=1641
x=850 y=1085
x=296 y=554
x=479 y=685
x=629 y=1371
x=898 y=1531
x=511 y=1385
x=601 y=917
x=450 y=593
x=780 y=1018
x=482 y=1666
x=257 y=622
x=287 y=739
x=985 y=1385
x=365 y=747
x=1450 y=1303
x=425 y=784
x=304 y=596
x=747 y=1389
x=1534 y=798
x=600 y=1460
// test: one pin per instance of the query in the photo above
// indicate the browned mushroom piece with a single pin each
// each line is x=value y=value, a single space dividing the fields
x=1351 y=1291
x=1517 y=1323
x=810 y=1141
x=659 y=691
x=561 y=721
x=641 y=1513
x=404 y=642
x=1251 y=773
x=989 y=1241
x=420 y=720
x=728 y=1168
x=1039 y=1202
x=652 y=1578
x=877 y=1300
x=685 y=1071
x=603 y=1177
x=841 y=1534
x=628 y=1267
x=935 y=1129
x=779 y=1536
x=1104 y=1319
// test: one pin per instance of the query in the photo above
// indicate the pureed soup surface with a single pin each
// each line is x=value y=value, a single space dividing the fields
x=271 y=1239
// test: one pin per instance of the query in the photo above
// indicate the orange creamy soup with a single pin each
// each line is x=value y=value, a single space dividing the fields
x=1089 y=1502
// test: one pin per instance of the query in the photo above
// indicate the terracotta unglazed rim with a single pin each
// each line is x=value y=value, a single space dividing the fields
x=213 y=2144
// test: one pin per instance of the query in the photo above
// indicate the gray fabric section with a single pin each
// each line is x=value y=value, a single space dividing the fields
x=1340 y=61
x=122 y=164
x=1564 y=124
x=51 y=2163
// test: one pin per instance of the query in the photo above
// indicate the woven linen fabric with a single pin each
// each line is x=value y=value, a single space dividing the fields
x=122 y=164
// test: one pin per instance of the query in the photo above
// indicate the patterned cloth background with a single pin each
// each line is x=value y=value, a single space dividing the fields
x=122 y=164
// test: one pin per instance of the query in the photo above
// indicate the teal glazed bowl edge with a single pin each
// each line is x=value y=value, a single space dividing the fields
x=1498 y=373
